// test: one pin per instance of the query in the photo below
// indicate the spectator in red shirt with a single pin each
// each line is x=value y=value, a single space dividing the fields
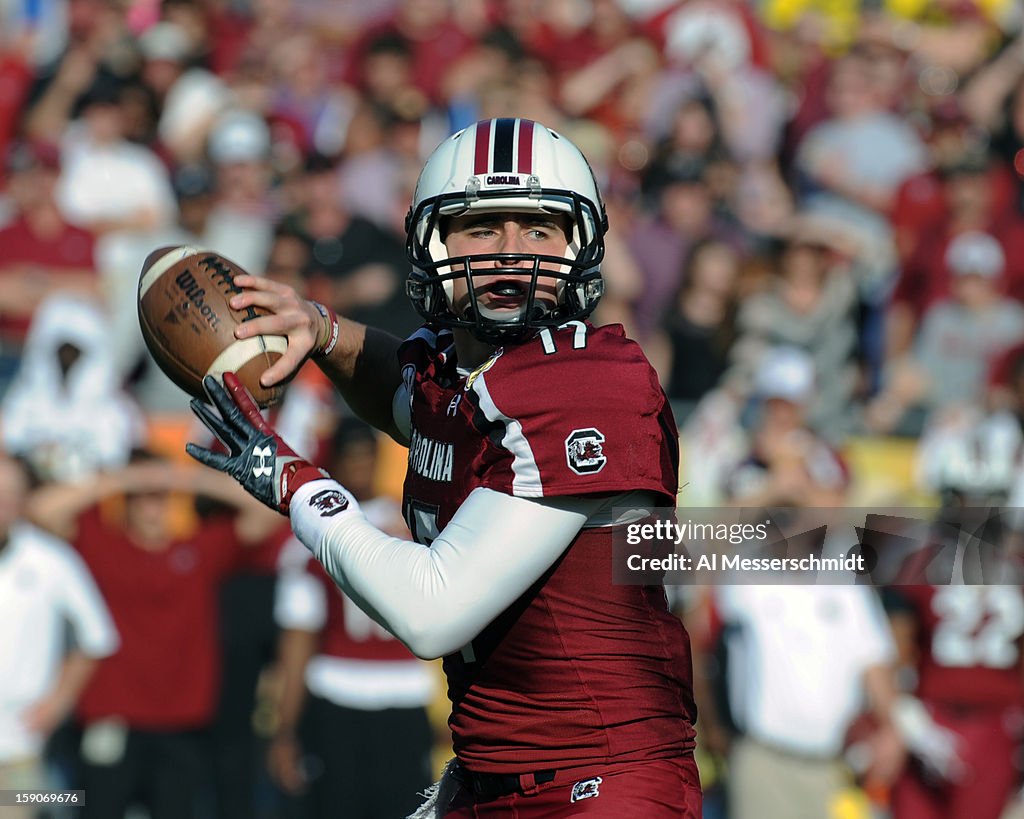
x=600 y=62
x=145 y=713
x=920 y=200
x=974 y=199
x=435 y=43
x=16 y=79
x=41 y=251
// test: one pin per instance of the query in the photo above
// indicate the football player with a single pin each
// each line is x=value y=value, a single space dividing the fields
x=963 y=723
x=959 y=625
x=529 y=432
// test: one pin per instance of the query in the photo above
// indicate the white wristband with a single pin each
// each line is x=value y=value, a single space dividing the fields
x=318 y=506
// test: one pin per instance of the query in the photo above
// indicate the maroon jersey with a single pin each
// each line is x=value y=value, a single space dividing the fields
x=166 y=674
x=71 y=249
x=577 y=671
x=969 y=642
x=349 y=633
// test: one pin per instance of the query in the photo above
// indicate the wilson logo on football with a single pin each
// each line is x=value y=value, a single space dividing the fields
x=584 y=452
x=329 y=502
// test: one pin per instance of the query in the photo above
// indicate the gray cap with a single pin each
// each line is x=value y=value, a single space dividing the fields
x=165 y=41
x=975 y=252
x=239 y=136
x=787 y=373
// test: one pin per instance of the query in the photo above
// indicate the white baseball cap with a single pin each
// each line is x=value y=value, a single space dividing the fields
x=975 y=252
x=787 y=373
x=165 y=41
x=239 y=136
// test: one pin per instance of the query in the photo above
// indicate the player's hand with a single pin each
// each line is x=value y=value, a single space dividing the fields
x=290 y=316
x=888 y=756
x=257 y=457
x=44 y=715
x=284 y=763
x=934 y=745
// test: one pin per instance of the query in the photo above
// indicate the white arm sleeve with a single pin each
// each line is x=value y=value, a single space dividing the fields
x=437 y=599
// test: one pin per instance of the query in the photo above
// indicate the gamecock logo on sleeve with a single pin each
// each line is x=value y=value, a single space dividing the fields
x=583 y=451
x=329 y=502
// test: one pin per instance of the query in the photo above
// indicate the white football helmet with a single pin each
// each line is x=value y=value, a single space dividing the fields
x=506 y=165
x=971 y=458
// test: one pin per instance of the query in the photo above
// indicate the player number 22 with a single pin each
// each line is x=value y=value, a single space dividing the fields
x=978 y=626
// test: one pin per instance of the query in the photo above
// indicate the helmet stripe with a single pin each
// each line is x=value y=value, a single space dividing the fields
x=504 y=130
x=483 y=146
x=525 y=153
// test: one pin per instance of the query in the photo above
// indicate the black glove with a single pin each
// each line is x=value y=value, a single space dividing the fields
x=265 y=466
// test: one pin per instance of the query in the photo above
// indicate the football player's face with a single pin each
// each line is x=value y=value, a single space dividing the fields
x=504 y=292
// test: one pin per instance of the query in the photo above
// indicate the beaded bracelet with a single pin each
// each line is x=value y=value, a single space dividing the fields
x=332 y=341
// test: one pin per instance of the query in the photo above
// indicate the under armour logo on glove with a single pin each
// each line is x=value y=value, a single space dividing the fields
x=262 y=468
x=255 y=450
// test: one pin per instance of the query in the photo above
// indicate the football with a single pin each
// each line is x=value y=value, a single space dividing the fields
x=189 y=326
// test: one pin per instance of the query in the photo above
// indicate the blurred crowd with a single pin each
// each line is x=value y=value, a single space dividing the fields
x=817 y=235
x=841 y=178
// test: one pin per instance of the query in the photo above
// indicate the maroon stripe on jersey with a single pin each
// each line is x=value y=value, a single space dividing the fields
x=483 y=147
x=525 y=163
